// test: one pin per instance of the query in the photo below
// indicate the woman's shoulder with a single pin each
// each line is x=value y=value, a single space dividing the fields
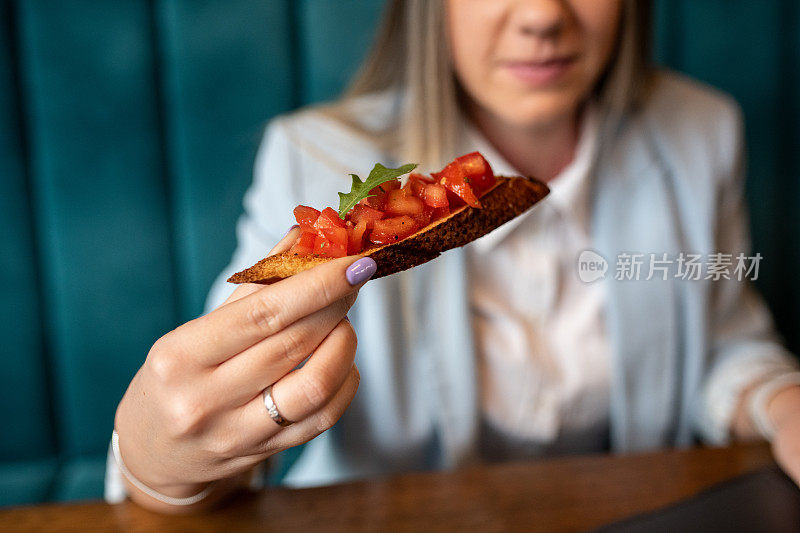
x=684 y=110
x=673 y=92
x=344 y=131
x=697 y=130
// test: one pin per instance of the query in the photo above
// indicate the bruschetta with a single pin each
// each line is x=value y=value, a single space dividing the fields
x=403 y=225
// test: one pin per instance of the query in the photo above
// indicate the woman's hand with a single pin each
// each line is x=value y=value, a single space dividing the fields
x=194 y=412
x=784 y=411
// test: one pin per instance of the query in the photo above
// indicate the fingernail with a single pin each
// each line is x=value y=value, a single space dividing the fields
x=289 y=231
x=361 y=270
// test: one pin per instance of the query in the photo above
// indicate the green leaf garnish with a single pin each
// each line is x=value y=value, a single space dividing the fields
x=360 y=189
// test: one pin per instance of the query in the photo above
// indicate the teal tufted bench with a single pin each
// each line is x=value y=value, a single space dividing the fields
x=127 y=134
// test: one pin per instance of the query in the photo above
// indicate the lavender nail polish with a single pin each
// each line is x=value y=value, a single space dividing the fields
x=289 y=231
x=361 y=270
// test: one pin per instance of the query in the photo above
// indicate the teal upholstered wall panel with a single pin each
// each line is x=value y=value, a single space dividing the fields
x=333 y=38
x=27 y=481
x=226 y=67
x=96 y=165
x=24 y=416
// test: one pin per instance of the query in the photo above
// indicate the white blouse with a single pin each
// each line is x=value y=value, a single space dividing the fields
x=543 y=352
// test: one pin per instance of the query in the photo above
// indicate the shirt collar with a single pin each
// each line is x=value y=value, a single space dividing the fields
x=568 y=191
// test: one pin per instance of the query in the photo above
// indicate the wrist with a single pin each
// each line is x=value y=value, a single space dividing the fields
x=142 y=461
x=178 y=490
x=219 y=492
x=172 y=493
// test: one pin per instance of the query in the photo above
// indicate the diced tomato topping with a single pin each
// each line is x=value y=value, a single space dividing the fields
x=355 y=237
x=324 y=246
x=416 y=182
x=331 y=214
x=401 y=202
x=477 y=172
x=453 y=178
x=365 y=213
x=424 y=218
x=304 y=244
x=337 y=236
x=377 y=196
x=306 y=216
x=434 y=195
x=320 y=245
x=454 y=201
x=389 y=230
x=391 y=212
x=386 y=186
x=327 y=219
x=440 y=212
x=338 y=239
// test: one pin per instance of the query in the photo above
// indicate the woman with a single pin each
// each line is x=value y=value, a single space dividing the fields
x=498 y=350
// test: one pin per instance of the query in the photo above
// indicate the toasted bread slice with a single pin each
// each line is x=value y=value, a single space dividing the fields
x=507 y=199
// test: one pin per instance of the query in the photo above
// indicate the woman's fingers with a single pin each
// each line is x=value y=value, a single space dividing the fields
x=306 y=389
x=242 y=377
x=322 y=420
x=246 y=289
x=234 y=327
x=287 y=241
x=299 y=394
x=279 y=439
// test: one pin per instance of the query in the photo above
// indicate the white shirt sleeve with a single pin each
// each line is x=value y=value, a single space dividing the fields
x=114 y=487
x=745 y=348
x=740 y=368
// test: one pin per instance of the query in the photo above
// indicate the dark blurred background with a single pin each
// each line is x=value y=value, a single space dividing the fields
x=127 y=134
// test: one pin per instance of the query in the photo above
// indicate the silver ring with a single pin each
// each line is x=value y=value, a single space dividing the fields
x=272 y=409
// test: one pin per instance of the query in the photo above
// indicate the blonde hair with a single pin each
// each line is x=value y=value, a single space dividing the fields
x=411 y=55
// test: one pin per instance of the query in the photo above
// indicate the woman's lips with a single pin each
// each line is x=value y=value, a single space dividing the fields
x=539 y=72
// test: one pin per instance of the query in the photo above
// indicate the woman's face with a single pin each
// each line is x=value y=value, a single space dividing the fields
x=530 y=63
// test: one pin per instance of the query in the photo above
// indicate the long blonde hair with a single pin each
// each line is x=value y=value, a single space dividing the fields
x=411 y=55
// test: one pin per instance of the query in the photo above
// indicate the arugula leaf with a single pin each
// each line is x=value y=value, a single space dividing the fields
x=360 y=189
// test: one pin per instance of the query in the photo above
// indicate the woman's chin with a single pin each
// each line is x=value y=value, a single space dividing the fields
x=541 y=113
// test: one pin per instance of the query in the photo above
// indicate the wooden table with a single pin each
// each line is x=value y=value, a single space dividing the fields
x=566 y=494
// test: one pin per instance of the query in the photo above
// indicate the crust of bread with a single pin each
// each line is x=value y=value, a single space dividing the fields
x=509 y=198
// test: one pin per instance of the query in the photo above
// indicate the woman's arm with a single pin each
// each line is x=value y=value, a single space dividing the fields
x=744 y=349
x=746 y=352
x=194 y=413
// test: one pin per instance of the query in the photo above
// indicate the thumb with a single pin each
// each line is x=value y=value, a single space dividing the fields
x=246 y=289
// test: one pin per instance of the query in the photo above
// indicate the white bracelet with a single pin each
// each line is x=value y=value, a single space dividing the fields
x=147 y=490
x=760 y=398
